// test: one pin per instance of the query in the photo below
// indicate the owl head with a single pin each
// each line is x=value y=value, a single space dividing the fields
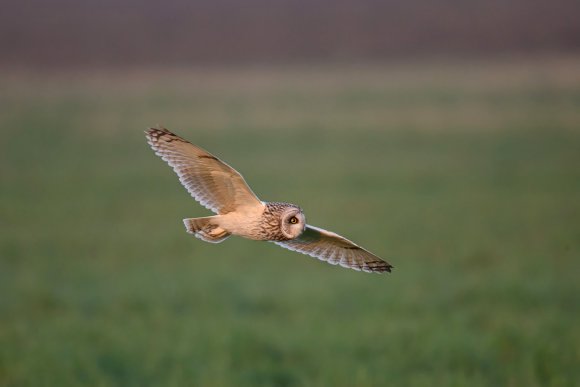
x=293 y=222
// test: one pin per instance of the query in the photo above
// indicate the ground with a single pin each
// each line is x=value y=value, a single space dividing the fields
x=462 y=175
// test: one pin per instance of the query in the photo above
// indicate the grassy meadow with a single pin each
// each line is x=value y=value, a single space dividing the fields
x=465 y=176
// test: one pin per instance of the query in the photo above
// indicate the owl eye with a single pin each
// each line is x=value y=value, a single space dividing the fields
x=293 y=220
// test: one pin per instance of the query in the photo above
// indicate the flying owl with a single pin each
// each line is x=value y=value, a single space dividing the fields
x=221 y=189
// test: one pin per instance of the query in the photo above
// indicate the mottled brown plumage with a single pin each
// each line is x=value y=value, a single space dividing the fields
x=221 y=189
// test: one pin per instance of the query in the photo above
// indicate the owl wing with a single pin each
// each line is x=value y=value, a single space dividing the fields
x=334 y=249
x=210 y=181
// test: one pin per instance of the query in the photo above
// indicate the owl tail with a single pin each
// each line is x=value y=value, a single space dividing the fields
x=206 y=229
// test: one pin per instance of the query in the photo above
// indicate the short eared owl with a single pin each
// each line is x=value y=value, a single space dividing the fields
x=221 y=189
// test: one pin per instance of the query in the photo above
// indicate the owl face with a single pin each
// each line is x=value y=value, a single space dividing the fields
x=293 y=222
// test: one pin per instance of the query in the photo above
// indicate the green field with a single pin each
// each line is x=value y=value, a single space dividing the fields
x=465 y=176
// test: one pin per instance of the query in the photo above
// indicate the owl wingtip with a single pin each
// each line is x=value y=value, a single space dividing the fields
x=384 y=269
x=156 y=128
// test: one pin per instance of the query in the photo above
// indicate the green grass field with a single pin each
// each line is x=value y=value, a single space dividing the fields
x=466 y=177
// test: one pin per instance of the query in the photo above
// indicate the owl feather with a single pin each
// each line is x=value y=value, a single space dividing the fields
x=223 y=190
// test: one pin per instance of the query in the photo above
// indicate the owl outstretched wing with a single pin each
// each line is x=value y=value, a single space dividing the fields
x=336 y=250
x=210 y=181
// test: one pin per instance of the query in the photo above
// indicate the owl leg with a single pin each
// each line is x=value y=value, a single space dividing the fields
x=206 y=229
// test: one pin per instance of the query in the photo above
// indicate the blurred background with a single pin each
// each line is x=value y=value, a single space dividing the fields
x=442 y=135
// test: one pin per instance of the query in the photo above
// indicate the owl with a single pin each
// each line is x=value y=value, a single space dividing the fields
x=221 y=189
